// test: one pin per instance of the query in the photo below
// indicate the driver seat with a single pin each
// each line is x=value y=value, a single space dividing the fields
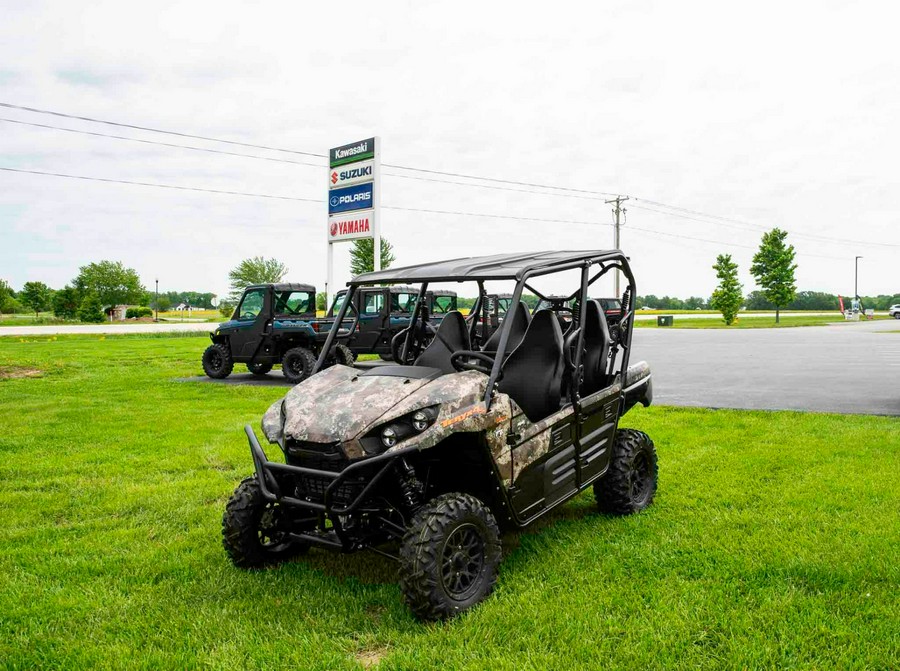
x=521 y=318
x=533 y=372
x=451 y=336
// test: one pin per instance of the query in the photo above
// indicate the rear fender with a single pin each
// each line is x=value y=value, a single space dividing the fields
x=638 y=386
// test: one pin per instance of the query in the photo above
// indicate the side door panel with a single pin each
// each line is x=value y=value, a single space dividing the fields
x=545 y=466
x=596 y=427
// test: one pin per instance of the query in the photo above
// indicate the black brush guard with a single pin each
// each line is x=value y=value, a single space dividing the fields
x=338 y=481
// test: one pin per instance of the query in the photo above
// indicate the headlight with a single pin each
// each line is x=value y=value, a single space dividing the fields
x=388 y=436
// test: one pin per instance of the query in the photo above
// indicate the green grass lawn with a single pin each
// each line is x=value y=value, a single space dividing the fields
x=774 y=541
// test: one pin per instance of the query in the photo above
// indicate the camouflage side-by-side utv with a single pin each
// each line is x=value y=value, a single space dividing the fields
x=426 y=460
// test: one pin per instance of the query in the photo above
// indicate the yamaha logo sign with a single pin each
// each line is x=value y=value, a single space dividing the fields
x=350 y=226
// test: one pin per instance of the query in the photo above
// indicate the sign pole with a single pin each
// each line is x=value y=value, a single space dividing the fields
x=376 y=211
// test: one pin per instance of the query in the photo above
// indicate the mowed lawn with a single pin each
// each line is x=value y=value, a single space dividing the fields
x=774 y=541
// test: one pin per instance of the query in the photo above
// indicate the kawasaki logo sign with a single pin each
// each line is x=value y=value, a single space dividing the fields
x=357 y=197
x=348 y=175
x=350 y=153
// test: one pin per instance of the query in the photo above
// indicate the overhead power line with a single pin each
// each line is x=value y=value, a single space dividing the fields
x=294 y=198
x=161 y=144
x=65 y=115
x=156 y=130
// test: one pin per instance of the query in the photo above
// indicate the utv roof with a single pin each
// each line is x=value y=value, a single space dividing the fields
x=285 y=287
x=496 y=267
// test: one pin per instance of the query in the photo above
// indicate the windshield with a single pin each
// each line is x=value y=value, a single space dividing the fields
x=294 y=303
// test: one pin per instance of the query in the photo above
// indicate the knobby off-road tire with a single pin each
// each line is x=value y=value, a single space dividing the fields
x=250 y=531
x=343 y=355
x=259 y=368
x=449 y=556
x=386 y=357
x=629 y=484
x=217 y=361
x=297 y=364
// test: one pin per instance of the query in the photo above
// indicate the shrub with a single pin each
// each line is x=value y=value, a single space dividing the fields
x=138 y=312
x=90 y=310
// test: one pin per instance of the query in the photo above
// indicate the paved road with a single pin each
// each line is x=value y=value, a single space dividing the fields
x=851 y=368
x=843 y=367
x=169 y=327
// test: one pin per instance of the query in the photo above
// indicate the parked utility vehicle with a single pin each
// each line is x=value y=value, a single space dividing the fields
x=273 y=324
x=426 y=460
x=385 y=311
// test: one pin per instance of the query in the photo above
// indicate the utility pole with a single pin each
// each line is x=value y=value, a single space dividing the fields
x=156 y=305
x=856 y=278
x=617 y=213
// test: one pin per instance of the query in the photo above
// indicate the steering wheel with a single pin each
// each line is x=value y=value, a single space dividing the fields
x=416 y=346
x=462 y=361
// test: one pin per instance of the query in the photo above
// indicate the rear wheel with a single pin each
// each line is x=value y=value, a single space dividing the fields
x=253 y=529
x=449 y=556
x=629 y=484
x=259 y=368
x=386 y=357
x=897 y=315
x=217 y=361
x=343 y=355
x=298 y=364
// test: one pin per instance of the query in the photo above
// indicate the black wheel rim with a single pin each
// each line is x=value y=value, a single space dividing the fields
x=641 y=480
x=295 y=366
x=215 y=360
x=271 y=538
x=462 y=561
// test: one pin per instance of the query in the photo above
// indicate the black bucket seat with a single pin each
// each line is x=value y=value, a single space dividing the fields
x=521 y=318
x=532 y=373
x=596 y=348
x=451 y=336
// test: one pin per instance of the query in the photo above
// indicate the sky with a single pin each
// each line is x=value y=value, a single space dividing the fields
x=754 y=116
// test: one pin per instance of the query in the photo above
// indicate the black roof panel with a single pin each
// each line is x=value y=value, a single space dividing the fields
x=285 y=286
x=496 y=267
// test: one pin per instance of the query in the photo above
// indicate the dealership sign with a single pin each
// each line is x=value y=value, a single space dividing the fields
x=357 y=197
x=354 y=196
x=351 y=153
x=354 y=173
x=350 y=226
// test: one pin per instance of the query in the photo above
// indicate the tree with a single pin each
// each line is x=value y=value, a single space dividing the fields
x=91 y=309
x=37 y=296
x=164 y=304
x=110 y=282
x=320 y=301
x=362 y=255
x=728 y=296
x=6 y=294
x=773 y=267
x=254 y=271
x=65 y=303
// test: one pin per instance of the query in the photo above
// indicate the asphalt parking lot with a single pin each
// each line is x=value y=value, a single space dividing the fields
x=851 y=368
x=846 y=367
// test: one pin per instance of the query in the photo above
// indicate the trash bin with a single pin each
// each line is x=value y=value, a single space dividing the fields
x=664 y=320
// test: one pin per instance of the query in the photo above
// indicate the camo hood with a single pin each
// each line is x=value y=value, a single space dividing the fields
x=340 y=403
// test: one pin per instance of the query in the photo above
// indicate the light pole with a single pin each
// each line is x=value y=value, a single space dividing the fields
x=156 y=305
x=856 y=278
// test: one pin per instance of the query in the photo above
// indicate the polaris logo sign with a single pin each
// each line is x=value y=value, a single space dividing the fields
x=350 y=226
x=349 y=153
x=357 y=197
x=355 y=173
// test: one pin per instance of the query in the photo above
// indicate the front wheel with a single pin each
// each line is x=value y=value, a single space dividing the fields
x=298 y=364
x=217 y=362
x=630 y=482
x=343 y=355
x=253 y=529
x=897 y=315
x=449 y=556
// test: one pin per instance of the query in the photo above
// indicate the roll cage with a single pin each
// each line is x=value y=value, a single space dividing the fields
x=521 y=268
